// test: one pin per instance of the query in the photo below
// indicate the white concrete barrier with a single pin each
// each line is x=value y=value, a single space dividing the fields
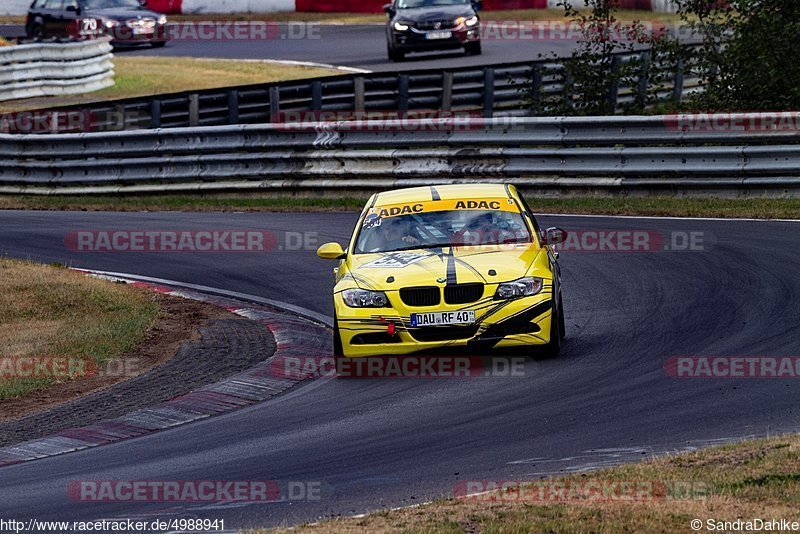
x=50 y=69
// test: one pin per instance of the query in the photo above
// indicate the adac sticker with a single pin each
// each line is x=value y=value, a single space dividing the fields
x=405 y=209
x=396 y=260
x=478 y=205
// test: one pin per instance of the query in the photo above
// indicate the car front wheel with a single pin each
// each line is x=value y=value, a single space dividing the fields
x=473 y=49
x=36 y=31
x=396 y=55
x=553 y=347
x=338 y=351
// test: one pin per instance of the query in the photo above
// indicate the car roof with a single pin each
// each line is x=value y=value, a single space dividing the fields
x=443 y=192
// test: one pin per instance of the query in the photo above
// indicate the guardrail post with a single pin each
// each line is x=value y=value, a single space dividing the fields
x=274 y=103
x=402 y=94
x=316 y=95
x=358 y=94
x=566 y=91
x=119 y=111
x=194 y=109
x=536 y=89
x=155 y=113
x=677 y=87
x=644 y=77
x=233 y=106
x=613 y=89
x=488 y=92
x=447 y=91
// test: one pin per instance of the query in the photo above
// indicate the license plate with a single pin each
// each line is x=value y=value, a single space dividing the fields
x=142 y=31
x=438 y=35
x=442 y=318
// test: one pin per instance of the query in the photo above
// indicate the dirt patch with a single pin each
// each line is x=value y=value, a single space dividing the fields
x=179 y=321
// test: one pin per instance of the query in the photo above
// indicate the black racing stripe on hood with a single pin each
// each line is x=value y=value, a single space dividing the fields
x=435 y=194
x=452 y=279
x=475 y=271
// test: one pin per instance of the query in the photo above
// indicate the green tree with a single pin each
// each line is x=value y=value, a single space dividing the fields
x=595 y=73
x=749 y=59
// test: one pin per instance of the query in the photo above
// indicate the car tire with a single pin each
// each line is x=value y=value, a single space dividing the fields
x=158 y=44
x=338 y=351
x=553 y=348
x=36 y=31
x=396 y=55
x=473 y=49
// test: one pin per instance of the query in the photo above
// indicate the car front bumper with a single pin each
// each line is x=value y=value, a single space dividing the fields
x=416 y=41
x=517 y=322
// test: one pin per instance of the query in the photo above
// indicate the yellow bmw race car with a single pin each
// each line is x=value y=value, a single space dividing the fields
x=453 y=266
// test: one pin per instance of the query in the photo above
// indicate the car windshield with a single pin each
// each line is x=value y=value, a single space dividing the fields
x=106 y=4
x=410 y=4
x=440 y=229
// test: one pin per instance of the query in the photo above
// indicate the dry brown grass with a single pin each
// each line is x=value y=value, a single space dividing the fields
x=52 y=311
x=144 y=76
x=754 y=479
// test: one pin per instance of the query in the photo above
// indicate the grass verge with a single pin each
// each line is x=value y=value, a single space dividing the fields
x=52 y=312
x=754 y=208
x=144 y=76
x=748 y=480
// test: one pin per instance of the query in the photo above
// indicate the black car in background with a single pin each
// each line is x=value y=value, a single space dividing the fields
x=425 y=25
x=128 y=22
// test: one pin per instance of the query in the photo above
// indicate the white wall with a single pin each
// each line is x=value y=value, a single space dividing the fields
x=664 y=6
x=14 y=7
x=237 y=6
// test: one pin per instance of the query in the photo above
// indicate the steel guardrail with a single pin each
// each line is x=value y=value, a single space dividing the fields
x=53 y=69
x=642 y=153
x=510 y=89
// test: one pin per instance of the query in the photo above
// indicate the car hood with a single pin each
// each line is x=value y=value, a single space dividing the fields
x=121 y=13
x=426 y=14
x=450 y=265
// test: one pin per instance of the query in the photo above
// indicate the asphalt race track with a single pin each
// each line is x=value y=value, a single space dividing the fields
x=376 y=443
x=361 y=46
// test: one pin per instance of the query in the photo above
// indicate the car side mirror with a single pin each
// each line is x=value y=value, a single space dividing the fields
x=554 y=236
x=73 y=8
x=331 y=251
x=388 y=9
x=477 y=5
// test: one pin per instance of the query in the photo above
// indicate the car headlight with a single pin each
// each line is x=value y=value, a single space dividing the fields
x=110 y=24
x=399 y=26
x=524 y=287
x=162 y=20
x=472 y=21
x=361 y=298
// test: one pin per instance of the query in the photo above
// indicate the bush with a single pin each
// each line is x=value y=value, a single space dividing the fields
x=748 y=59
x=593 y=72
x=750 y=53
